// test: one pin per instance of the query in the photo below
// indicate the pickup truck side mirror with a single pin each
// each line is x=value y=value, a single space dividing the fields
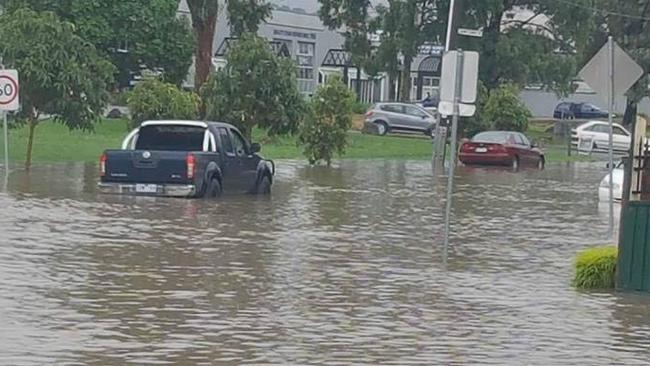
x=255 y=148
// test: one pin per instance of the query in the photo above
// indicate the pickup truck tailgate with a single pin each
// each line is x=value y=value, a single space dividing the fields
x=140 y=166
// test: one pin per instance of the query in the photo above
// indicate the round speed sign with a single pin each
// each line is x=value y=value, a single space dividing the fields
x=8 y=90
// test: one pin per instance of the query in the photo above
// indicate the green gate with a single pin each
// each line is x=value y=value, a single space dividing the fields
x=633 y=270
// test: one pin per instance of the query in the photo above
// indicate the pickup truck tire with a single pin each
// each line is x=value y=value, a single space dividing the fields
x=264 y=186
x=213 y=190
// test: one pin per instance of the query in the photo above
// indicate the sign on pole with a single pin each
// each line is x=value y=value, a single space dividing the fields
x=596 y=72
x=478 y=33
x=469 y=70
x=611 y=73
x=9 y=88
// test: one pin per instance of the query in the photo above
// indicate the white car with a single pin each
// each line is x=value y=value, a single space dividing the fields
x=603 y=189
x=596 y=135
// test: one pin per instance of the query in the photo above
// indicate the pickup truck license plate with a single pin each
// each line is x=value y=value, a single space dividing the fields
x=146 y=188
x=481 y=149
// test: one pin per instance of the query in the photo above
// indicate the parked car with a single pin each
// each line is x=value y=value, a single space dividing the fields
x=598 y=133
x=569 y=110
x=503 y=148
x=185 y=159
x=603 y=189
x=389 y=117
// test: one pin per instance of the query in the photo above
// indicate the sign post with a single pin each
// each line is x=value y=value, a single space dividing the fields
x=611 y=73
x=458 y=94
x=610 y=111
x=9 y=88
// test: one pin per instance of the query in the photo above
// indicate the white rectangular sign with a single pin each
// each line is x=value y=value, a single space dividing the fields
x=9 y=90
x=478 y=33
x=469 y=85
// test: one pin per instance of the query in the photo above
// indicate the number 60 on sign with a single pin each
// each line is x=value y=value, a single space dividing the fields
x=9 y=88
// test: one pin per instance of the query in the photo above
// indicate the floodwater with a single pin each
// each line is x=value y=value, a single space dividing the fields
x=340 y=266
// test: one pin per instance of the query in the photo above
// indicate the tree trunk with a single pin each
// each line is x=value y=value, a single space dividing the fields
x=391 y=88
x=491 y=40
x=630 y=113
x=405 y=91
x=205 y=32
x=30 y=142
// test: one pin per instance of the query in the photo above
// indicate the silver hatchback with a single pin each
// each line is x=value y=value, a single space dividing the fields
x=400 y=117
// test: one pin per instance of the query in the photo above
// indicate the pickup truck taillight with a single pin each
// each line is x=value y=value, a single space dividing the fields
x=102 y=165
x=191 y=166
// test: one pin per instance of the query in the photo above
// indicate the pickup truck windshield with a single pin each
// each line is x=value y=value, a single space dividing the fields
x=170 y=138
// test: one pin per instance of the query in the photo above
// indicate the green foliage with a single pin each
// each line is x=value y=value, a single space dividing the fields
x=246 y=15
x=472 y=125
x=60 y=73
x=359 y=107
x=405 y=25
x=526 y=51
x=325 y=132
x=505 y=111
x=150 y=29
x=596 y=268
x=256 y=88
x=157 y=100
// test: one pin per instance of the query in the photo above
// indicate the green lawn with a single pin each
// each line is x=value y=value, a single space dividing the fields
x=53 y=143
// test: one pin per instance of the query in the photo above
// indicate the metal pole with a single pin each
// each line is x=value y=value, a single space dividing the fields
x=452 y=158
x=450 y=25
x=6 y=133
x=610 y=44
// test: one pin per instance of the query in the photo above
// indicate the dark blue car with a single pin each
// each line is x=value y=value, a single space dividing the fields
x=569 y=110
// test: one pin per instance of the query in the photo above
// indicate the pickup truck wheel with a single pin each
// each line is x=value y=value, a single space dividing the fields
x=264 y=186
x=213 y=190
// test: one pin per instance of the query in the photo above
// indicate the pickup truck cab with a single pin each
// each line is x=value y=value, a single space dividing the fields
x=185 y=159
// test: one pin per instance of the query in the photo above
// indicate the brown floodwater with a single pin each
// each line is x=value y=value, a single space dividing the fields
x=340 y=266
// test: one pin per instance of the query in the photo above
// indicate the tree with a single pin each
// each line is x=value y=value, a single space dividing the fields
x=61 y=74
x=157 y=100
x=244 y=15
x=505 y=111
x=256 y=88
x=627 y=22
x=403 y=26
x=540 y=49
x=325 y=132
x=130 y=33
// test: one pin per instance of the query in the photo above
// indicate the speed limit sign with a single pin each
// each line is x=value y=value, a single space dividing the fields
x=9 y=89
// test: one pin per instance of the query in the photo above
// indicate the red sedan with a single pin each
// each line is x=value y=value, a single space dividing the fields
x=501 y=148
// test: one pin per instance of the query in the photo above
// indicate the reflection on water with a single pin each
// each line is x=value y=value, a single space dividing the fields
x=339 y=266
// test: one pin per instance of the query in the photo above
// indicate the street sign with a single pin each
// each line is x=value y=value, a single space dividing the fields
x=596 y=72
x=478 y=33
x=469 y=72
x=447 y=109
x=9 y=88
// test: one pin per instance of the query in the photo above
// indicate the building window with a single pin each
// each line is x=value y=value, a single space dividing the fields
x=284 y=42
x=305 y=54
x=305 y=71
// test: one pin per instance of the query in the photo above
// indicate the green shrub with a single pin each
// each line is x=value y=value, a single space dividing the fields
x=596 y=268
x=505 y=111
x=360 y=107
x=257 y=88
x=155 y=100
x=324 y=132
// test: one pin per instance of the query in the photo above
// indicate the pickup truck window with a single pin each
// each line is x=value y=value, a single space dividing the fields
x=171 y=138
x=240 y=145
x=225 y=141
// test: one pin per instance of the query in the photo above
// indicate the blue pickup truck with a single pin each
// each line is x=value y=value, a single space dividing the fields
x=185 y=159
